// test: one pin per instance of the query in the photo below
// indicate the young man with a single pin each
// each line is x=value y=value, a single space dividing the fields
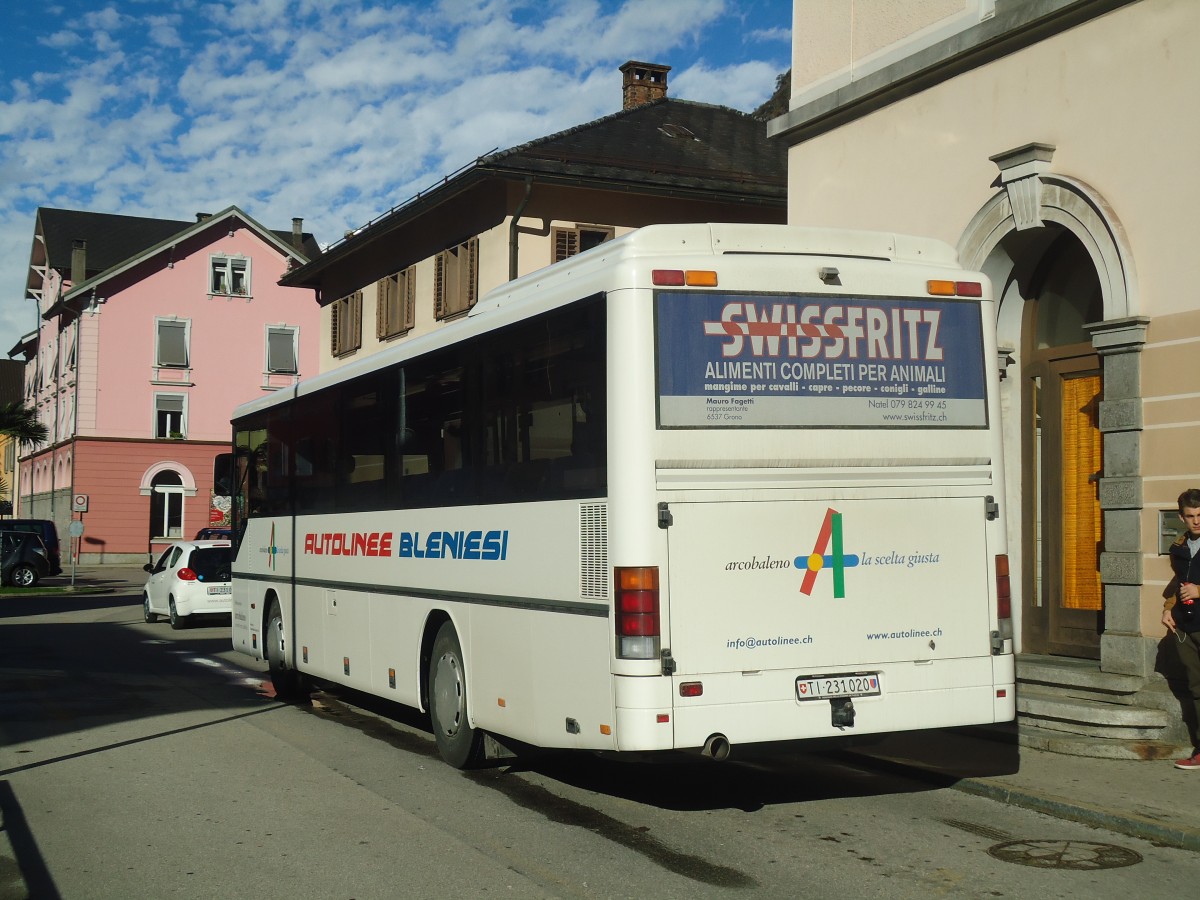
x=1181 y=614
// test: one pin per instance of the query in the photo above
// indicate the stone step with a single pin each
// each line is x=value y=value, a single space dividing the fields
x=1099 y=748
x=1082 y=674
x=1048 y=703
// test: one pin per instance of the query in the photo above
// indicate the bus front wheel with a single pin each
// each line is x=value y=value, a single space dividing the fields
x=458 y=743
x=289 y=684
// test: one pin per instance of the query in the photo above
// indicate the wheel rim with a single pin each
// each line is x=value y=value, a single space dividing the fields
x=275 y=657
x=146 y=608
x=174 y=615
x=23 y=577
x=448 y=701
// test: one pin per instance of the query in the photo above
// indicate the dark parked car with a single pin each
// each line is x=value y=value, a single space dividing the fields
x=44 y=529
x=214 y=533
x=23 y=559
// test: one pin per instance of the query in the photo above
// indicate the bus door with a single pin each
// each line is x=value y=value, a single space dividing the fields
x=826 y=586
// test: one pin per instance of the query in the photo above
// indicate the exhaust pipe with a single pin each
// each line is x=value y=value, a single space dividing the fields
x=716 y=748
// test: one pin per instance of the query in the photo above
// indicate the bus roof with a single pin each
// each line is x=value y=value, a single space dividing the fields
x=649 y=241
x=727 y=238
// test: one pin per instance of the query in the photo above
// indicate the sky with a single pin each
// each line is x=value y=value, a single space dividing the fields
x=330 y=110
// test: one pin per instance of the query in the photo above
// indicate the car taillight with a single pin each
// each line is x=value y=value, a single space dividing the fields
x=186 y=574
x=636 y=607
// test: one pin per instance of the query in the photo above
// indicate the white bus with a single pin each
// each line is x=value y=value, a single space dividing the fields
x=699 y=487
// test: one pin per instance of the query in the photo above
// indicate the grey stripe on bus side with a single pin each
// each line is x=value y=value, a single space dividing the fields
x=542 y=605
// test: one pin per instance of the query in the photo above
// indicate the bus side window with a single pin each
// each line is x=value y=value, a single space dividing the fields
x=362 y=463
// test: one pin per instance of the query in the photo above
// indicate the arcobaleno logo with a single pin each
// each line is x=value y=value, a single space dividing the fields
x=831 y=530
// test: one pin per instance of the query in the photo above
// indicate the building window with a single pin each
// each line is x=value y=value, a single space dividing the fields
x=569 y=241
x=172 y=348
x=166 y=506
x=169 y=416
x=281 y=350
x=395 y=311
x=456 y=279
x=345 y=326
x=230 y=275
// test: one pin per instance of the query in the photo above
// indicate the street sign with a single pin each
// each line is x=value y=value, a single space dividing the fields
x=75 y=529
x=79 y=503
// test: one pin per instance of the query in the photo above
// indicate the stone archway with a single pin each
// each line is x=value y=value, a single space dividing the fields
x=1001 y=240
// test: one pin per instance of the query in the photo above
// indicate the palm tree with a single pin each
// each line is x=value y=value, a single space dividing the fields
x=20 y=423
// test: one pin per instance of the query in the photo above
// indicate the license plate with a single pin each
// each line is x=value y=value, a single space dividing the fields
x=220 y=589
x=825 y=687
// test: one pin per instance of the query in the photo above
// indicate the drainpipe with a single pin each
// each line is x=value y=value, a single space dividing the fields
x=512 y=229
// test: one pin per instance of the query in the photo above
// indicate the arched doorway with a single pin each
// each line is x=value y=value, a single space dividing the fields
x=1069 y=395
x=1062 y=450
x=166 y=506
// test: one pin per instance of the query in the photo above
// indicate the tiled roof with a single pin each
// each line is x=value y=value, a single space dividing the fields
x=113 y=239
x=665 y=144
x=676 y=147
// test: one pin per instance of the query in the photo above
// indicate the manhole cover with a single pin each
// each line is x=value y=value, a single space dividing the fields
x=1083 y=855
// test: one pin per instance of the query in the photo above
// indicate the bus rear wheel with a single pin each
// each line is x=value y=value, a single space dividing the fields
x=290 y=686
x=458 y=743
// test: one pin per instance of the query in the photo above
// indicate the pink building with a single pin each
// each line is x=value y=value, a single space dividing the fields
x=150 y=333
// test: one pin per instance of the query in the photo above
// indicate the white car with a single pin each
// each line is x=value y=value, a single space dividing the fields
x=191 y=578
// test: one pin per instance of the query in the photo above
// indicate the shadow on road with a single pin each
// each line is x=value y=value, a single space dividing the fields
x=60 y=677
x=753 y=778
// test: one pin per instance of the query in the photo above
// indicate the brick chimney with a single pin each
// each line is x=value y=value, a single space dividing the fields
x=643 y=83
x=78 y=262
x=298 y=233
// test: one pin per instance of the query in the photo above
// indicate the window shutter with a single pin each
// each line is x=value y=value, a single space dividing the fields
x=439 y=285
x=356 y=320
x=566 y=243
x=335 y=321
x=410 y=297
x=172 y=344
x=281 y=351
x=471 y=294
x=384 y=301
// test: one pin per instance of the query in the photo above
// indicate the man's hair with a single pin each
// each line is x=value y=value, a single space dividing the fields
x=1189 y=498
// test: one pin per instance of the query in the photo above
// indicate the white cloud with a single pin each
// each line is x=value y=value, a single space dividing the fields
x=332 y=110
x=744 y=86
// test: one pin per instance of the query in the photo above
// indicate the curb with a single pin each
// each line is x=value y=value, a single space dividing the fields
x=1178 y=836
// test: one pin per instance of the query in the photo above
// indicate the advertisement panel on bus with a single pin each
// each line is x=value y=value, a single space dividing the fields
x=786 y=361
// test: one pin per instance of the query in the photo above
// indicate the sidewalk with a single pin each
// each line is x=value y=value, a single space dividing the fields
x=1146 y=799
x=121 y=578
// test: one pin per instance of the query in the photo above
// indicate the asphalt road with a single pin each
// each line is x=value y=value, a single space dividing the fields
x=136 y=761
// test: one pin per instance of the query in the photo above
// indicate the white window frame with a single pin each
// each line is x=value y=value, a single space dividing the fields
x=159 y=398
x=172 y=506
x=223 y=272
x=172 y=322
x=282 y=331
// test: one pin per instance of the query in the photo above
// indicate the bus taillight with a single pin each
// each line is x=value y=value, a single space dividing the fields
x=1003 y=588
x=636 y=609
x=681 y=277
